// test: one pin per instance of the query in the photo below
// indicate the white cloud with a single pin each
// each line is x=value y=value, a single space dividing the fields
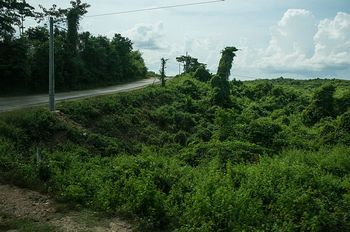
x=299 y=44
x=332 y=43
x=206 y=49
x=291 y=42
x=147 y=36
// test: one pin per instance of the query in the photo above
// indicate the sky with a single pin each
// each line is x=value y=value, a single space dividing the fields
x=291 y=38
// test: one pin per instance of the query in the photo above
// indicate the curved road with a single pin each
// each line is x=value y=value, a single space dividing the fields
x=12 y=103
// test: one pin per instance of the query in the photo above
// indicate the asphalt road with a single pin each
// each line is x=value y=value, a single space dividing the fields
x=18 y=102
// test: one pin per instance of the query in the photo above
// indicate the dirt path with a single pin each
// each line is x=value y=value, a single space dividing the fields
x=22 y=206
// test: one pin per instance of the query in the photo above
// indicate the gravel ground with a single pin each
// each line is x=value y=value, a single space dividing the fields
x=21 y=203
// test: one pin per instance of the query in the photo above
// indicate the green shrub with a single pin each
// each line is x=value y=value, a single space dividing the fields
x=262 y=132
x=202 y=74
x=345 y=122
x=322 y=105
x=7 y=155
x=188 y=87
x=227 y=151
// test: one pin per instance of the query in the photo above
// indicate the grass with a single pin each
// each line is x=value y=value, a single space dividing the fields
x=8 y=222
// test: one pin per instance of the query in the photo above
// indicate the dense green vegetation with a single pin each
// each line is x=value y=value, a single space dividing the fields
x=274 y=156
x=199 y=153
x=82 y=60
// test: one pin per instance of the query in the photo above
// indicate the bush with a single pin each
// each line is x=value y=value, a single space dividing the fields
x=234 y=152
x=202 y=74
x=345 y=122
x=262 y=132
x=322 y=105
x=287 y=193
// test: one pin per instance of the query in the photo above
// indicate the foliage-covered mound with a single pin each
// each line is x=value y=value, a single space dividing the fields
x=273 y=156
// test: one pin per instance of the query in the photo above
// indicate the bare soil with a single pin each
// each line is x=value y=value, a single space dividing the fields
x=21 y=205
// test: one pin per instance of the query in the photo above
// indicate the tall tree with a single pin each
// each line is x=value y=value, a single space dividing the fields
x=225 y=63
x=75 y=70
x=220 y=91
x=219 y=82
x=190 y=64
x=12 y=13
x=58 y=14
x=74 y=14
x=162 y=71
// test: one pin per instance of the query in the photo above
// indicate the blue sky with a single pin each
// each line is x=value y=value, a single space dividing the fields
x=294 y=38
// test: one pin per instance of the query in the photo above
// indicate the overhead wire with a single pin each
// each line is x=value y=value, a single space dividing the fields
x=154 y=8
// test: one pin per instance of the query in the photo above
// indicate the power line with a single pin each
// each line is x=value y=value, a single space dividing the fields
x=154 y=8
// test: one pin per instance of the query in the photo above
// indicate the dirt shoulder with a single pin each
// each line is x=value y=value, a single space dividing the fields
x=27 y=210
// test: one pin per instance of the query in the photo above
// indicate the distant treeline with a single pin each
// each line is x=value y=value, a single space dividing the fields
x=81 y=59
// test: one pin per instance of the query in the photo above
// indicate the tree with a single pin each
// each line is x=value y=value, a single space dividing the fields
x=345 y=121
x=322 y=105
x=219 y=82
x=74 y=13
x=220 y=91
x=122 y=47
x=81 y=60
x=225 y=63
x=58 y=14
x=342 y=103
x=262 y=131
x=122 y=44
x=12 y=13
x=162 y=71
x=38 y=38
x=202 y=74
x=109 y=61
x=14 y=64
x=190 y=64
x=138 y=66
x=75 y=74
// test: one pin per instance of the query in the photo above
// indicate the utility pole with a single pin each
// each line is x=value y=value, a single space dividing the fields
x=51 y=69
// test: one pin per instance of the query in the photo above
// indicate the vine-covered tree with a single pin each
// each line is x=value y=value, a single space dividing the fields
x=225 y=63
x=219 y=82
x=74 y=14
x=322 y=105
x=162 y=71
x=220 y=91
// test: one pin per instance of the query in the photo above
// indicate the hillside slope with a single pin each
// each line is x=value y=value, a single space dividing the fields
x=274 y=157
